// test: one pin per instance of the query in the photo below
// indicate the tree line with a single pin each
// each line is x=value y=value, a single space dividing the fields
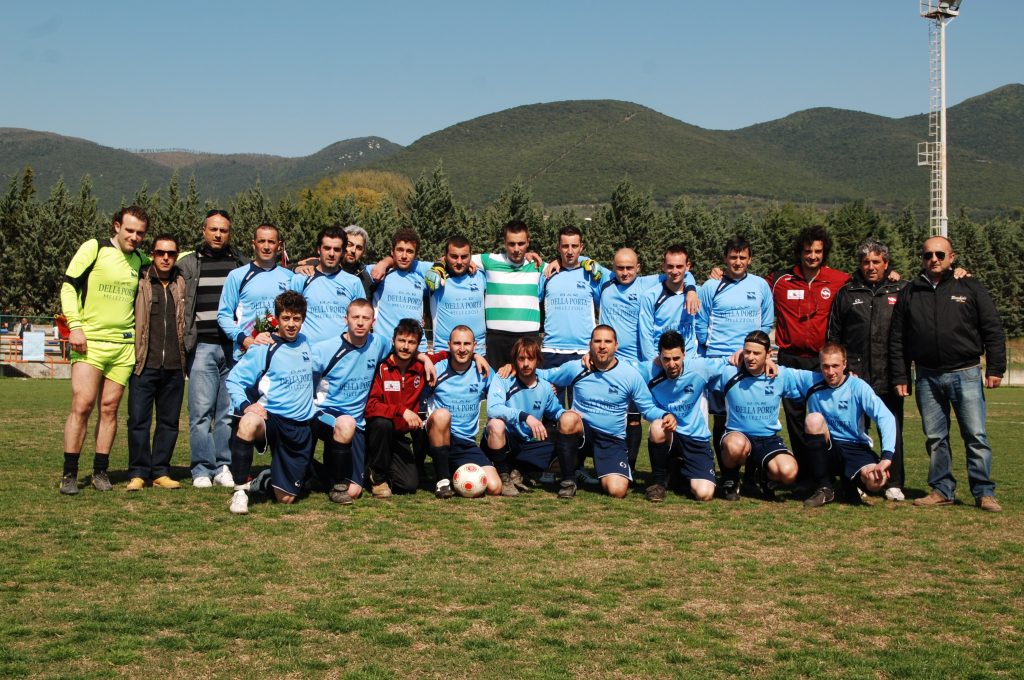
x=39 y=235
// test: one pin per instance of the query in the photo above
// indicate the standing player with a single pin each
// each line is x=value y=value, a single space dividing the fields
x=271 y=389
x=752 y=427
x=98 y=299
x=250 y=292
x=329 y=290
x=836 y=437
x=454 y=420
x=517 y=407
x=401 y=292
x=601 y=395
x=678 y=389
x=666 y=308
x=456 y=295
x=344 y=368
x=352 y=263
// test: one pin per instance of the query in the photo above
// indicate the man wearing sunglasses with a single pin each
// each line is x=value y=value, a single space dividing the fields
x=159 y=376
x=944 y=324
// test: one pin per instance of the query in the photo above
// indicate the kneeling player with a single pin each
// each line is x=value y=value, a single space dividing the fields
x=516 y=409
x=837 y=440
x=678 y=389
x=271 y=388
x=345 y=367
x=752 y=425
x=454 y=421
x=600 y=397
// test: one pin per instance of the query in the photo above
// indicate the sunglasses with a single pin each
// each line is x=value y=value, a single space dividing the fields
x=165 y=253
x=938 y=254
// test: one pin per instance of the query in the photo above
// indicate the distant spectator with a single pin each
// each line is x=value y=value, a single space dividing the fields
x=24 y=327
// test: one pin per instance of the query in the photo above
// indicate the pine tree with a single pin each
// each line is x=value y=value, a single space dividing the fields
x=434 y=214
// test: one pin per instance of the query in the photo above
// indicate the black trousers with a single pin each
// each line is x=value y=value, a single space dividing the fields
x=796 y=411
x=163 y=389
x=389 y=456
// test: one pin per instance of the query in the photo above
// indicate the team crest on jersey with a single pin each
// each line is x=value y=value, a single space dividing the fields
x=474 y=287
x=536 y=406
x=474 y=388
x=751 y=295
x=612 y=389
x=416 y=382
x=688 y=389
x=582 y=285
x=844 y=404
x=282 y=285
x=892 y=299
x=769 y=389
x=305 y=356
x=632 y=297
x=370 y=363
x=826 y=293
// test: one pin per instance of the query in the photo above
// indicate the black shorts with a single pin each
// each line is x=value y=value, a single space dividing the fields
x=855 y=456
x=698 y=461
x=465 y=451
x=538 y=454
x=763 y=449
x=291 y=449
x=610 y=455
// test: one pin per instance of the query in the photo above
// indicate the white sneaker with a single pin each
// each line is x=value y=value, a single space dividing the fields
x=894 y=494
x=203 y=482
x=239 y=503
x=224 y=478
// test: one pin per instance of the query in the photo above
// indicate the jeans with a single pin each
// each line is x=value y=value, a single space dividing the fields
x=963 y=389
x=164 y=388
x=209 y=408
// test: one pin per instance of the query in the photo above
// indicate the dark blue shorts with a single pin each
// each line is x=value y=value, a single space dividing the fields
x=464 y=451
x=539 y=454
x=698 y=461
x=352 y=462
x=763 y=449
x=854 y=456
x=610 y=456
x=291 y=449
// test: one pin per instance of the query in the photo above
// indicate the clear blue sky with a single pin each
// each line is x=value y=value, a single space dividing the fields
x=291 y=78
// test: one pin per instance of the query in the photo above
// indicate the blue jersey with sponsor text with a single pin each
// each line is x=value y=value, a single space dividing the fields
x=681 y=397
x=248 y=293
x=459 y=302
x=400 y=295
x=620 y=309
x=729 y=310
x=346 y=387
x=510 y=400
x=460 y=393
x=664 y=310
x=844 y=408
x=601 y=397
x=285 y=388
x=752 y=402
x=327 y=299
x=569 y=298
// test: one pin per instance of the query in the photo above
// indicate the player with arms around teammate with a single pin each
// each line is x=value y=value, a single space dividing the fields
x=667 y=307
x=517 y=407
x=329 y=290
x=98 y=299
x=752 y=425
x=836 y=438
x=456 y=295
x=345 y=367
x=601 y=395
x=271 y=389
x=401 y=288
x=454 y=408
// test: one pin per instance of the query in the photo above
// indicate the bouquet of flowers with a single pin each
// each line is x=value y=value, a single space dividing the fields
x=265 y=323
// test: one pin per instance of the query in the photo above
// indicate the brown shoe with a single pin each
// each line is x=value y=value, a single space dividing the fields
x=166 y=482
x=989 y=504
x=932 y=500
x=381 y=490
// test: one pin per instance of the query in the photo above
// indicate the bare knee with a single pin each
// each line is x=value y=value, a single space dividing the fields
x=250 y=427
x=283 y=497
x=702 y=489
x=657 y=432
x=615 y=486
x=814 y=423
x=570 y=423
x=344 y=429
x=735 y=448
x=782 y=469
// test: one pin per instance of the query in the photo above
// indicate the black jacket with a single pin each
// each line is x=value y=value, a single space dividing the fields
x=945 y=328
x=860 y=320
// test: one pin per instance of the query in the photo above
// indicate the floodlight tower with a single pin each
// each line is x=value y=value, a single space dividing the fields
x=933 y=153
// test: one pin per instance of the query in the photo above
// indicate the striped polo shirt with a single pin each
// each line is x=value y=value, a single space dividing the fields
x=512 y=303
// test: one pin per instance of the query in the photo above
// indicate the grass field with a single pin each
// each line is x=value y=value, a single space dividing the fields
x=169 y=584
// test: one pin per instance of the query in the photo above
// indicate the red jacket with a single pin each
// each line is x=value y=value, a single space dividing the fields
x=394 y=391
x=802 y=308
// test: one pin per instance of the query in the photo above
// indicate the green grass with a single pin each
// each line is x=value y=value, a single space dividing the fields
x=170 y=584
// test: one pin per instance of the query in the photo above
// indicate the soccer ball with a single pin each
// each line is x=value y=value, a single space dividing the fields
x=470 y=481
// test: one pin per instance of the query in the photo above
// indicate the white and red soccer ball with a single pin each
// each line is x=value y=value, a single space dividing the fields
x=470 y=481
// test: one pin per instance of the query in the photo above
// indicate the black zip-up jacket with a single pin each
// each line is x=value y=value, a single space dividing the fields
x=945 y=328
x=860 y=321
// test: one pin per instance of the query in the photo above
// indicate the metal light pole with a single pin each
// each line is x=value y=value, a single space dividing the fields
x=933 y=153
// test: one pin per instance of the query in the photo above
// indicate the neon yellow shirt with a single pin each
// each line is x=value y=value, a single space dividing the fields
x=98 y=295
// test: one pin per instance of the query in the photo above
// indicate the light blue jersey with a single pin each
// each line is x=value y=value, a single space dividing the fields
x=248 y=293
x=569 y=298
x=844 y=408
x=729 y=310
x=284 y=388
x=681 y=397
x=508 y=399
x=459 y=302
x=752 y=402
x=345 y=387
x=620 y=309
x=664 y=310
x=327 y=298
x=400 y=295
x=460 y=393
x=601 y=397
